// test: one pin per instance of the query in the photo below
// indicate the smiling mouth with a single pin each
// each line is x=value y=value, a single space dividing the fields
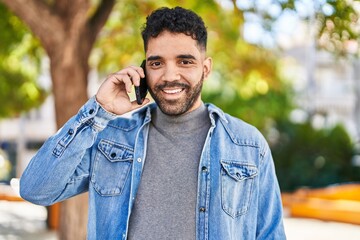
x=173 y=91
x=173 y=88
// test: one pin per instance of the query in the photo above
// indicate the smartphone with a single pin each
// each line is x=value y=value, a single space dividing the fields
x=141 y=91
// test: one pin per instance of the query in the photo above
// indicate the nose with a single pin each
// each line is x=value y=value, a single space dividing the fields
x=171 y=72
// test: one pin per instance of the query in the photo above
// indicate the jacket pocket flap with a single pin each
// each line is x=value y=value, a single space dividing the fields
x=115 y=152
x=239 y=171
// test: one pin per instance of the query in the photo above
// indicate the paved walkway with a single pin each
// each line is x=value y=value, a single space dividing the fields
x=23 y=220
x=311 y=229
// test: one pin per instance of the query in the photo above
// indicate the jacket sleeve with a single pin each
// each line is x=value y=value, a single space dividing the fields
x=270 y=211
x=61 y=167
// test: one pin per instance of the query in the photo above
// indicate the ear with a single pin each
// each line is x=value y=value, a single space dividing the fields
x=207 y=66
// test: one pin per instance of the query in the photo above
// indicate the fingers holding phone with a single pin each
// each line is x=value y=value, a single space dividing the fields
x=113 y=93
x=142 y=89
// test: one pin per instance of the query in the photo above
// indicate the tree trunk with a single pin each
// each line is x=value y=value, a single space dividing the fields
x=69 y=70
x=73 y=219
x=69 y=78
x=67 y=31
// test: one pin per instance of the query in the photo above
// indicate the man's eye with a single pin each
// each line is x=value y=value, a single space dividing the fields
x=185 y=62
x=155 y=64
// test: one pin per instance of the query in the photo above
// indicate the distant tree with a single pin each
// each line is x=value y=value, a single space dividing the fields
x=19 y=57
x=67 y=30
x=308 y=157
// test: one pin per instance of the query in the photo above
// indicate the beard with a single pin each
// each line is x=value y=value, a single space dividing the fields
x=178 y=106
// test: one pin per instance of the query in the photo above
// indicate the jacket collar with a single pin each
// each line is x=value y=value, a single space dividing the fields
x=214 y=111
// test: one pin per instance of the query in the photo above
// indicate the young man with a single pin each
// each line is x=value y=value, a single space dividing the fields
x=177 y=168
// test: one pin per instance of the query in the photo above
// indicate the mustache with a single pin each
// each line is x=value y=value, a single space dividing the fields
x=173 y=84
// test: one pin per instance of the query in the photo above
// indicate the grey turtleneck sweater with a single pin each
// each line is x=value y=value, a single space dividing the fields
x=166 y=200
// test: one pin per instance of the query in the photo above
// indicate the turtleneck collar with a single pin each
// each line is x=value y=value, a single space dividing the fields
x=184 y=123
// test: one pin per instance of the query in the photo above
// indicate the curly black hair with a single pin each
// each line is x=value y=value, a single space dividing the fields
x=175 y=20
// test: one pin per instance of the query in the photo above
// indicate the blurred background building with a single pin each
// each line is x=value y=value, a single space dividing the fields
x=325 y=89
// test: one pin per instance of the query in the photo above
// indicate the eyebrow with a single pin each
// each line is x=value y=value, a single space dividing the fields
x=181 y=56
x=152 y=58
x=188 y=56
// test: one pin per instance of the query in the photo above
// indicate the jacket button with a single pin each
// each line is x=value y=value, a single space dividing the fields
x=91 y=111
x=113 y=155
x=202 y=209
x=71 y=131
x=204 y=169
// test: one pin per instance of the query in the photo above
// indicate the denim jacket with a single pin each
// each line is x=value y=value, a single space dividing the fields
x=238 y=196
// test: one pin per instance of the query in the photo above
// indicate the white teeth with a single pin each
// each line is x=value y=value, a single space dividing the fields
x=172 y=91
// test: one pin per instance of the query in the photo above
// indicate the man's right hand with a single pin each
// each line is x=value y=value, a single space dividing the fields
x=113 y=94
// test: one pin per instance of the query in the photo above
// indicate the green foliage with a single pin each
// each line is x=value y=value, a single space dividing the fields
x=339 y=27
x=261 y=109
x=18 y=93
x=19 y=67
x=310 y=157
x=13 y=31
x=120 y=42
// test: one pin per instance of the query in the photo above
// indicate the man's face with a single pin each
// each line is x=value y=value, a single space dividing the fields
x=176 y=68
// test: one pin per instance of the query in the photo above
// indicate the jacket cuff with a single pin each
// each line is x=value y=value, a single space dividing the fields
x=92 y=110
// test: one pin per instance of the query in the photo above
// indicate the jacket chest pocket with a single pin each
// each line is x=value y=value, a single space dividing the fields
x=111 y=168
x=237 y=180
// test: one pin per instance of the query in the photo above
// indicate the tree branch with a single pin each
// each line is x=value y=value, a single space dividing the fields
x=69 y=8
x=39 y=18
x=100 y=17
